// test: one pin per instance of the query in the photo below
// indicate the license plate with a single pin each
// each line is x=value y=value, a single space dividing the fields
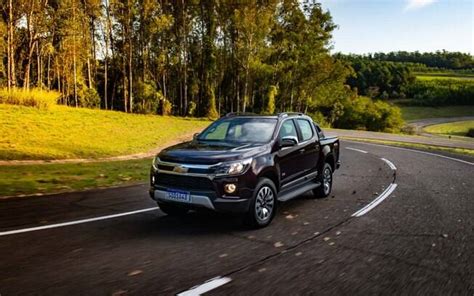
x=178 y=195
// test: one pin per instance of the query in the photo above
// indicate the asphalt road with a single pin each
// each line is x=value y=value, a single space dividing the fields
x=419 y=240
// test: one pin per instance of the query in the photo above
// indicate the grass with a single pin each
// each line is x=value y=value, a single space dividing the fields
x=37 y=98
x=51 y=178
x=459 y=128
x=444 y=76
x=430 y=148
x=64 y=132
x=416 y=112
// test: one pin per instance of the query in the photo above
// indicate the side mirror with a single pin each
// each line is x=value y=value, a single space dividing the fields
x=195 y=136
x=288 y=142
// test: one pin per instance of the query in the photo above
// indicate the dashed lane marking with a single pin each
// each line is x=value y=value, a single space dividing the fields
x=206 y=287
x=358 y=150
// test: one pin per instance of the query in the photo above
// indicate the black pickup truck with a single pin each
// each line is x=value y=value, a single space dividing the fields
x=245 y=163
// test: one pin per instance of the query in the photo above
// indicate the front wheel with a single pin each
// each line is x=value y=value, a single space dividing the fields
x=263 y=206
x=326 y=182
x=172 y=210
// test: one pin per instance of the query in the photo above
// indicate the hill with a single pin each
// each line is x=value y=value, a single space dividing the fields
x=64 y=132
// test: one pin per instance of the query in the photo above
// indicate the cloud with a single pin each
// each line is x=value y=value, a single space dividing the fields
x=417 y=4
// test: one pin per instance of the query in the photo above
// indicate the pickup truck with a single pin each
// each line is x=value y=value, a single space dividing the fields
x=245 y=164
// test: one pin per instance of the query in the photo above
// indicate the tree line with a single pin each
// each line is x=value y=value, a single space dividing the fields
x=182 y=57
x=382 y=79
x=439 y=59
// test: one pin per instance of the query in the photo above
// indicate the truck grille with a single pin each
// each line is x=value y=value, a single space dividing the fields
x=183 y=182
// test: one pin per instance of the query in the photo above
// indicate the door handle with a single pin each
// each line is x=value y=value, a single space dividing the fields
x=302 y=150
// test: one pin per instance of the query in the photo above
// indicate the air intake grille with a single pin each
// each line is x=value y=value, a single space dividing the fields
x=183 y=182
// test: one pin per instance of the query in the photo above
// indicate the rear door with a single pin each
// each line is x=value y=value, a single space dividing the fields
x=309 y=145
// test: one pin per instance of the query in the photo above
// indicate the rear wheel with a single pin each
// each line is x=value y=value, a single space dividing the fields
x=263 y=206
x=325 y=178
x=172 y=210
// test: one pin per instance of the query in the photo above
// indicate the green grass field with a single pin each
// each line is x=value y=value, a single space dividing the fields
x=64 y=132
x=416 y=112
x=459 y=128
x=48 y=178
x=444 y=76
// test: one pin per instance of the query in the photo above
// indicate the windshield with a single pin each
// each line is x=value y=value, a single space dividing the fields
x=241 y=130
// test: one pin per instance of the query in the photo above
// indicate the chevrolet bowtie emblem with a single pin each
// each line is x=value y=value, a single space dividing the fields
x=180 y=169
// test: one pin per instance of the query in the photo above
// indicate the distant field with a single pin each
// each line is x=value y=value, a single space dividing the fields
x=444 y=76
x=415 y=112
x=64 y=132
x=459 y=128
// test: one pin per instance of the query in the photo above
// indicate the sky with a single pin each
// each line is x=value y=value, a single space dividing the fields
x=367 y=26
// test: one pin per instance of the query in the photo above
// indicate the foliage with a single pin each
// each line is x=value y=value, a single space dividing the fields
x=88 y=98
x=270 y=103
x=438 y=59
x=470 y=133
x=363 y=113
x=442 y=92
x=37 y=98
x=165 y=107
x=378 y=79
x=147 y=98
x=64 y=132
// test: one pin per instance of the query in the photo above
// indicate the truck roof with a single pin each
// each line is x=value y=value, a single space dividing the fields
x=249 y=114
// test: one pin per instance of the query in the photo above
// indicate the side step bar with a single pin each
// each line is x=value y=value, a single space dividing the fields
x=294 y=192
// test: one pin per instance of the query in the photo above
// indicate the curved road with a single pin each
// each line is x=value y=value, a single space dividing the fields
x=416 y=238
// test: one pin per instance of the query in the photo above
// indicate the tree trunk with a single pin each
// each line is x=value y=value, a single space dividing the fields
x=12 y=73
x=47 y=74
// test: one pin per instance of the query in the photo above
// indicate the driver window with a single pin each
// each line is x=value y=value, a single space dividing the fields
x=288 y=129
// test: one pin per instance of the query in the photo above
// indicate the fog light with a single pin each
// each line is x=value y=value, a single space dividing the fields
x=152 y=179
x=229 y=188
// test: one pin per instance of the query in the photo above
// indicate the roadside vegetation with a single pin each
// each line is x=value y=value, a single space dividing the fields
x=460 y=128
x=37 y=98
x=63 y=132
x=52 y=178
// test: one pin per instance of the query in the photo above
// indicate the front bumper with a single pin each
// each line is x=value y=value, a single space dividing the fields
x=206 y=200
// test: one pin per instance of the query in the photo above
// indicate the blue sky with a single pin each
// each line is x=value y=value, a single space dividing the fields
x=391 y=25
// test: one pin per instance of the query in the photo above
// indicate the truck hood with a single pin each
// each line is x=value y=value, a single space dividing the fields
x=197 y=152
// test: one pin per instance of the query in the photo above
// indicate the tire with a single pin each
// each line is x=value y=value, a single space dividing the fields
x=263 y=206
x=172 y=210
x=325 y=178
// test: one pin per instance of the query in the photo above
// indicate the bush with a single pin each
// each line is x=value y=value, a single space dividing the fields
x=37 y=98
x=192 y=108
x=166 y=107
x=147 y=98
x=365 y=114
x=470 y=133
x=270 y=102
x=88 y=98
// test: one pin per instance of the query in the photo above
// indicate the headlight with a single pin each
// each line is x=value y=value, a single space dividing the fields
x=233 y=168
x=156 y=159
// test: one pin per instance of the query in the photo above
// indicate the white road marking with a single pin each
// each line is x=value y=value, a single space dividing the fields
x=417 y=151
x=23 y=230
x=206 y=287
x=358 y=150
x=376 y=201
x=390 y=164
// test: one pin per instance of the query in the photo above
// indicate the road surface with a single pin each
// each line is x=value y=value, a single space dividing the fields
x=415 y=239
